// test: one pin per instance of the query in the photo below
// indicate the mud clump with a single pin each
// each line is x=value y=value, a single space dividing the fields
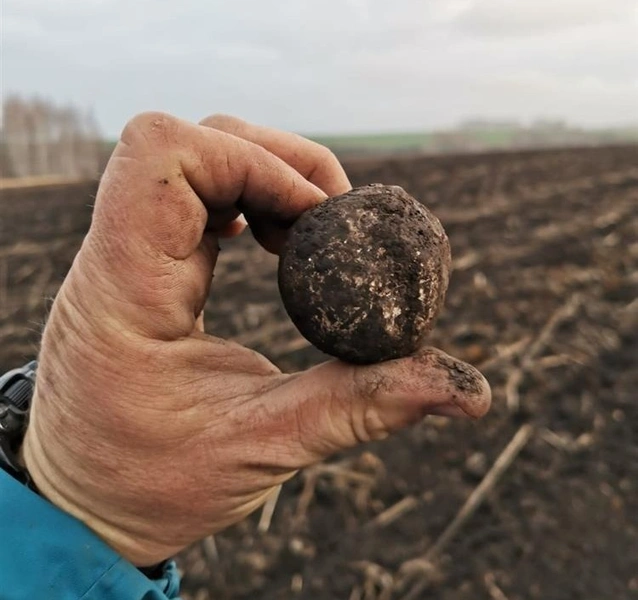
x=363 y=275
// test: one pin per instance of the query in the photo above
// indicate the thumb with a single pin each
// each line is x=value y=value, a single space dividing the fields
x=336 y=406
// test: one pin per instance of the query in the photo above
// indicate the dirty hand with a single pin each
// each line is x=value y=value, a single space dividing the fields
x=150 y=431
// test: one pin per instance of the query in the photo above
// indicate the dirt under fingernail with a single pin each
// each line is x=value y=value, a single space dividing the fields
x=463 y=377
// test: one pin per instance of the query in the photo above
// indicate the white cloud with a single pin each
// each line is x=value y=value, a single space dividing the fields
x=326 y=65
x=534 y=94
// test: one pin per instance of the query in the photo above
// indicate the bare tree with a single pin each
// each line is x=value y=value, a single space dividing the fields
x=40 y=138
x=16 y=136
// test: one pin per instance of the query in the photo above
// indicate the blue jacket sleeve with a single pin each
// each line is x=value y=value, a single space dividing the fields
x=46 y=553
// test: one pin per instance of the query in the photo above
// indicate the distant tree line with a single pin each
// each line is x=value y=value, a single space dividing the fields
x=40 y=138
x=480 y=135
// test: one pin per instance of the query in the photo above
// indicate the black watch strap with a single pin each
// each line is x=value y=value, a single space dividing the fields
x=9 y=463
x=16 y=391
x=154 y=571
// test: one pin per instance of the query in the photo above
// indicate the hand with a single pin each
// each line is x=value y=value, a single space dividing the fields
x=147 y=429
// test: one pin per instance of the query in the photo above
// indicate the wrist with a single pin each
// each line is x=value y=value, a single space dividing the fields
x=49 y=473
x=67 y=473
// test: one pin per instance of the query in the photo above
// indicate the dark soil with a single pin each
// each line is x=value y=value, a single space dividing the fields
x=363 y=275
x=463 y=376
x=543 y=298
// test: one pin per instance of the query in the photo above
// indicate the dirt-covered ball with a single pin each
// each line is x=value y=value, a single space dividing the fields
x=363 y=275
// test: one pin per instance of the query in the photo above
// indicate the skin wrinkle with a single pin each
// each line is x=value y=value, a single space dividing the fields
x=154 y=497
x=229 y=168
x=198 y=277
x=118 y=245
x=193 y=217
x=357 y=412
x=75 y=484
x=209 y=156
x=228 y=357
x=169 y=309
x=100 y=365
x=313 y=171
x=267 y=451
x=239 y=177
x=71 y=311
x=300 y=431
x=183 y=219
x=126 y=330
x=373 y=424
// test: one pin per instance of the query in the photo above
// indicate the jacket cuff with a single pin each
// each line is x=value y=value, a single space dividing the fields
x=47 y=553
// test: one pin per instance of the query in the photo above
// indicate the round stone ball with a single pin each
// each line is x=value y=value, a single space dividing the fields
x=363 y=275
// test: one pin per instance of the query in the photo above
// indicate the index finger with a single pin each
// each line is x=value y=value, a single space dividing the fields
x=315 y=162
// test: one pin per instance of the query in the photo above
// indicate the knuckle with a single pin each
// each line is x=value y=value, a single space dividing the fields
x=364 y=410
x=373 y=425
x=152 y=126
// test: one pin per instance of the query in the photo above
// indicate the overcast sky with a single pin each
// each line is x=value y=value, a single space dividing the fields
x=329 y=65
